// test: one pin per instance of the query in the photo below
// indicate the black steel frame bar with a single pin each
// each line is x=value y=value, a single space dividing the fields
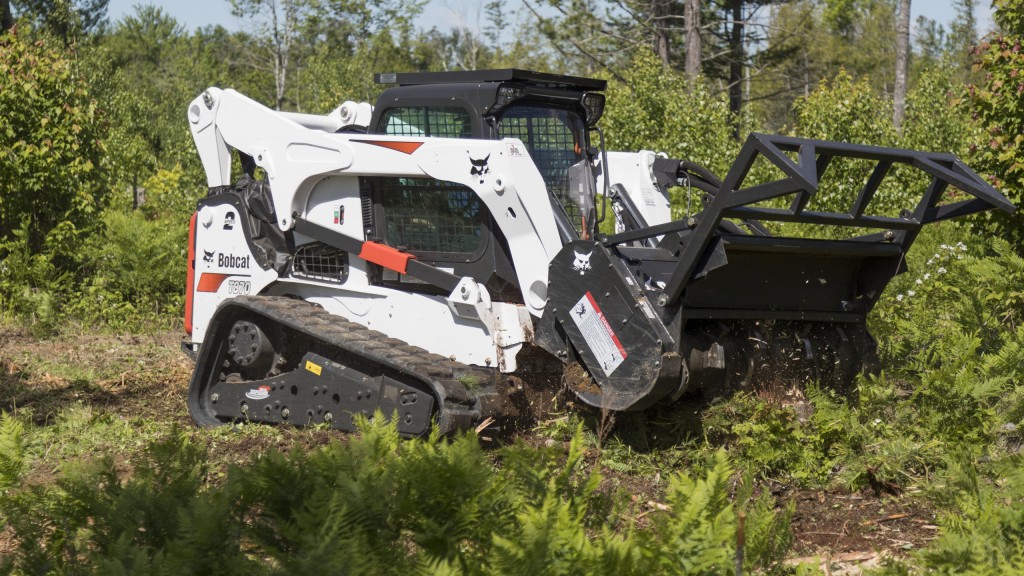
x=814 y=156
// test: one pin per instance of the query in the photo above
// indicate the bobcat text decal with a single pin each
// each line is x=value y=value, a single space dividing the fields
x=227 y=260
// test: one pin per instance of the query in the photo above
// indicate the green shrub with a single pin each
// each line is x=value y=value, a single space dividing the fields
x=136 y=272
x=982 y=532
x=168 y=197
x=379 y=505
x=30 y=282
x=51 y=146
x=957 y=288
x=997 y=149
x=131 y=276
x=658 y=109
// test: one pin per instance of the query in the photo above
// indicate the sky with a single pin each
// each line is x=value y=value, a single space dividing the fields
x=444 y=13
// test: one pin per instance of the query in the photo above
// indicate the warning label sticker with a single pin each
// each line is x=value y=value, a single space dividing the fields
x=598 y=333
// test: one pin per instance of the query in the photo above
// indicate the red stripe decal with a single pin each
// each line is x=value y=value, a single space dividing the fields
x=607 y=326
x=404 y=147
x=210 y=282
x=385 y=256
x=190 y=273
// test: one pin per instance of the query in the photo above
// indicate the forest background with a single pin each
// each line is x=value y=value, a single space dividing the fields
x=98 y=177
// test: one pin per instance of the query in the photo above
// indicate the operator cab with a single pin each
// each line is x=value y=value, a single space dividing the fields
x=445 y=223
x=551 y=114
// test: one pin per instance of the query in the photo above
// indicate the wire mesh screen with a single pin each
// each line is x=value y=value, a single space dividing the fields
x=318 y=261
x=442 y=122
x=553 y=138
x=427 y=215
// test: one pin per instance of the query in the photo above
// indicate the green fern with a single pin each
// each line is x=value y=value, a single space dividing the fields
x=12 y=452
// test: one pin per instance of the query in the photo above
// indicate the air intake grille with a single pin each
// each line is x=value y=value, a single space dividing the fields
x=317 y=261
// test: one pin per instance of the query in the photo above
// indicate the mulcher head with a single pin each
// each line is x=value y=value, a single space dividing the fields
x=655 y=311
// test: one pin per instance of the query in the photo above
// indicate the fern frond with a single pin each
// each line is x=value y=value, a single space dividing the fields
x=12 y=451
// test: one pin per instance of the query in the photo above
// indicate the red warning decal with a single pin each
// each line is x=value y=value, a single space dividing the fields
x=598 y=333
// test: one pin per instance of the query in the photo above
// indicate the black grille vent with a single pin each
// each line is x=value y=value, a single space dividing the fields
x=318 y=261
x=366 y=201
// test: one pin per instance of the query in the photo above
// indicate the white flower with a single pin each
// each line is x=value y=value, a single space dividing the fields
x=927 y=275
x=910 y=293
x=899 y=297
x=961 y=246
x=918 y=282
x=941 y=270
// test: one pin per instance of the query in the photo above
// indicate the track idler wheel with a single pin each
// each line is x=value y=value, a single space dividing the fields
x=250 y=348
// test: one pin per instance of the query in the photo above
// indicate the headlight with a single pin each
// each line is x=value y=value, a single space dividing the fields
x=593 y=104
x=507 y=94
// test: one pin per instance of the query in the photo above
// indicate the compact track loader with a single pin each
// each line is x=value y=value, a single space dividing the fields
x=418 y=256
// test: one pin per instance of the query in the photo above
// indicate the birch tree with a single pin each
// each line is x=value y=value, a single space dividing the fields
x=902 y=57
x=276 y=27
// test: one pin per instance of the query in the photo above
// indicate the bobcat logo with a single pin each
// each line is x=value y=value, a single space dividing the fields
x=480 y=167
x=208 y=256
x=582 y=262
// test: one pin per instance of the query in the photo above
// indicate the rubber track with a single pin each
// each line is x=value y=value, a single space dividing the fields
x=458 y=407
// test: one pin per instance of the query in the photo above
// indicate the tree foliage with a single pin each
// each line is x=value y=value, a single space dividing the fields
x=656 y=109
x=69 y=20
x=694 y=124
x=52 y=148
x=998 y=105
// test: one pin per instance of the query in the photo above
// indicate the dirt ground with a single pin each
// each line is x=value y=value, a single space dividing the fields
x=146 y=377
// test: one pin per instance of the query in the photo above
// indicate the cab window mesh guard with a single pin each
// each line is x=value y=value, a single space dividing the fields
x=441 y=122
x=551 y=135
x=427 y=215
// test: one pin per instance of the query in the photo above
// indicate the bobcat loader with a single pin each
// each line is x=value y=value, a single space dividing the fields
x=418 y=256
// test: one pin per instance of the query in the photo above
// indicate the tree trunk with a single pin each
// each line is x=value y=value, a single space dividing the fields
x=736 y=61
x=280 y=40
x=6 y=20
x=902 y=55
x=660 y=12
x=691 y=18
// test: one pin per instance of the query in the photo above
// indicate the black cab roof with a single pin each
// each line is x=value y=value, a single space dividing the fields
x=516 y=75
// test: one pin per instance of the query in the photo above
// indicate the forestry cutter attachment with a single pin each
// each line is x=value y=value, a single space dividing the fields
x=715 y=307
x=402 y=258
